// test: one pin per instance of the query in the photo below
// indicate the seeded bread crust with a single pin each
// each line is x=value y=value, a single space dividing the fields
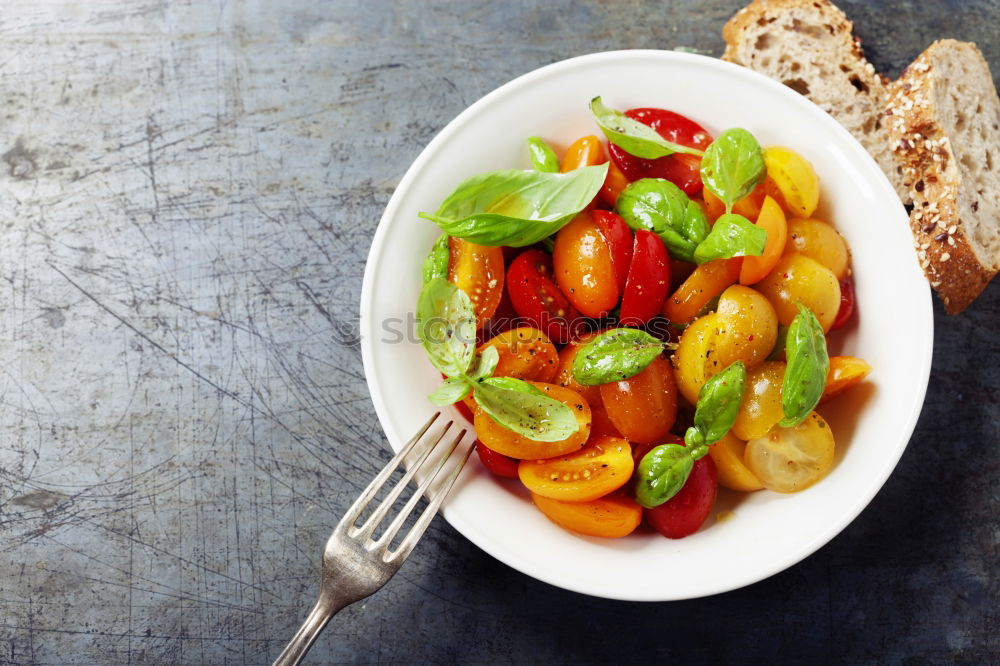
x=948 y=172
x=810 y=46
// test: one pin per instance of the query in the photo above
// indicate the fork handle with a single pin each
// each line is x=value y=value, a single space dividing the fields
x=326 y=607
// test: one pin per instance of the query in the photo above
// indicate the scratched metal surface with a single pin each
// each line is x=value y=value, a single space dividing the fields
x=188 y=192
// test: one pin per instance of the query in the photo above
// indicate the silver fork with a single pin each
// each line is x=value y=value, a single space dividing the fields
x=354 y=564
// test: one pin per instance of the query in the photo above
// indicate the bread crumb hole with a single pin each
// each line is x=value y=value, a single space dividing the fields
x=796 y=67
x=763 y=42
x=798 y=85
x=844 y=68
x=859 y=84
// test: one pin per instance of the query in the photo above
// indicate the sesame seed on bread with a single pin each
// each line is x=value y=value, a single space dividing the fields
x=809 y=45
x=943 y=120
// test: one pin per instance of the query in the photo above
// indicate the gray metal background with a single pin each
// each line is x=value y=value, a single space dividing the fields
x=188 y=192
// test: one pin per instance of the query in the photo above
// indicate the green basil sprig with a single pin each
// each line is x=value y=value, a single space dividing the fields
x=732 y=166
x=616 y=354
x=662 y=473
x=718 y=403
x=543 y=158
x=665 y=469
x=516 y=208
x=436 y=263
x=731 y=236
x=634 y=137
x=808 y=365
x=661 y=207
x=446 y=325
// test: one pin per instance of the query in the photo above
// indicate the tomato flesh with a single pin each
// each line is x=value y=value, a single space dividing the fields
x=643 y=407
x=605 y=465
x=497 y=463
x=478 y=271
x=583 y=267
x=648 y=280
x=846 y=303
x=611 y=516
x=536 y=297
x=681 y=169
x=684 y=513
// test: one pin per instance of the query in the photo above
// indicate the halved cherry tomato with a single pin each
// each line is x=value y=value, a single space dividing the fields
x=605 y=465
x=619 y=239
x=614 y=183
x=727 y=454
x=793 y=176
x=564 y=373
x=643 y=407
x=509 y=443
x=705 y=283
x=583 y=267
x=749 y=206
x=585 y=151
x=685 y=512
x=788 y=460
x=536 y=297
x=772 y=220
x=648 y=280
x=478 y=271
x=846 y=303
x=845 y=372
x=525 y=353
x=681 y=169
x=611 y=516
x=639 y=449
x=503 y=319
x=497 y=463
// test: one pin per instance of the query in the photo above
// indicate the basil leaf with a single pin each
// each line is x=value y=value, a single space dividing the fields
x=732 y=166
x=524 y=409
x=436 y=263
x=661 y=474
x=450 y=390
x=808 y=365
x=661 y=207
x=543 y=158
x=446 y=326
x=633 y=137
x=718 y=403
x=613 y=355
x=486 y=363
x=732 y=236
x=517 y=208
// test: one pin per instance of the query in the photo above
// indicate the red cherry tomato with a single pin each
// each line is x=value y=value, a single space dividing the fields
x=640 y=450
x=684 y=513
x=846 y=303
x=681 y=169
x=619 y=239
x=648 y=280
x=497 y=463
x=536 y=297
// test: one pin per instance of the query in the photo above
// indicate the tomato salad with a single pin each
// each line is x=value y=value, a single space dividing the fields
x=627 y=334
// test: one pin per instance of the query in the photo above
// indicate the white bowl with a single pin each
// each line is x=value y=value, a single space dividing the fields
x=894 y=331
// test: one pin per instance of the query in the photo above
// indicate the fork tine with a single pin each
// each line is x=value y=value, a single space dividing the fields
x=386 y=538
x=436 y=499
x=383 y=508
x=366 y=496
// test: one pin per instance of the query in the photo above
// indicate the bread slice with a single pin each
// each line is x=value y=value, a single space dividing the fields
x=809 y=45
x=943 y=119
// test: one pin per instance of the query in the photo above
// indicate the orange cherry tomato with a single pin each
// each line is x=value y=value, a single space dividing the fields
x=705 y=283
x=604 y=466
x=564 y=371
x=643 y=407
x=600 y=423
x=614 y=183
x=497 y=463
x=845 y=372
x=611 y=517
x=525 y=353
x=749 y=206
x=772 y=220
x=509 y=443
x=585 y=151
x=478 y=271
x=583 y=266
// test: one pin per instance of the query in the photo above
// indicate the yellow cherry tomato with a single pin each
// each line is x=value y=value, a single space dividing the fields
x=772 y=220
x=795 y=178
x=748 y=327
x=798 y=278
x=820 y=241
x=761 y=405
x=727 y=454
x=791 y=459
x=695 y=360
x=611 y=517
x=605 y=465
x=585 y=151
